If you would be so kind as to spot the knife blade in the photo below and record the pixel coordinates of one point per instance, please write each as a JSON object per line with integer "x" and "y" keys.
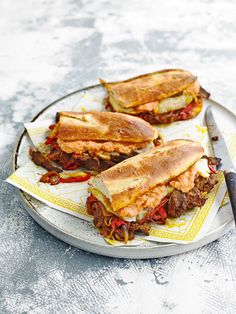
{"x": 220, "y": 150}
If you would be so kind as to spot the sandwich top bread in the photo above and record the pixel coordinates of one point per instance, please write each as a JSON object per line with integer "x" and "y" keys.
{"x": 159, "y": 97}
{"x": 104, "y": 126}
{"x": 95, "y": 140}
{"x": 149, "y": 187}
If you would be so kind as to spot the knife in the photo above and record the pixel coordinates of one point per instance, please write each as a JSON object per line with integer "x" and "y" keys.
{"x": 220, "y": 150}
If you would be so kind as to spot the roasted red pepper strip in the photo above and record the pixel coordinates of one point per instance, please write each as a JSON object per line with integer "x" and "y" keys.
{"x": 212, "y": 168}
{"x": 75, "y": 179}
{"x": 108, "y": 106}
{"x": 157, "y": 210}
{"x": 89, "y": 204}
{"x": 91, "y": 199}
{"x": 117, "y": 222}
{"x": 52, "y": 126}
{"x": 70, "y": 166}
{"x": 51, "y": 177}
{"x": 184, "y": 112}
{"x": 161, "y": 211}
{"x": 50, "y": 140}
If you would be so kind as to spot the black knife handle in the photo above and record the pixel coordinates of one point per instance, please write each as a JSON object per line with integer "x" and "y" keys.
{"x": 230, "y": 179}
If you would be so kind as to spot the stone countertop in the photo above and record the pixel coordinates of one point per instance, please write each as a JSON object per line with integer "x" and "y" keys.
{"x": 50, "y": 48}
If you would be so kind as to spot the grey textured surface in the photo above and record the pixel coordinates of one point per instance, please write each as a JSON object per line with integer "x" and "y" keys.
{"x": 50, "y": 48}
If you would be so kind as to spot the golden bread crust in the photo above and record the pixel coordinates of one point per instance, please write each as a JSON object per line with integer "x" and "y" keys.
{"x": 149, "y": 87}
{"x": 133, "y": 177}
{"x": 104, "y": 126}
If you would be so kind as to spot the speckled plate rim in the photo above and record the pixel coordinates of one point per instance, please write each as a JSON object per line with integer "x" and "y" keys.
{"x": 167, "y": 249}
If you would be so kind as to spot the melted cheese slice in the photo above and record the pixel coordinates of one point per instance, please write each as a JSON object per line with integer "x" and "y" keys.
{"x": 173, "y": 103}
{"x": 149, "y": 200}
{"x": 163, "y": 106}
{"x": 105, "y": 201}
{"x": 202, "y": 168}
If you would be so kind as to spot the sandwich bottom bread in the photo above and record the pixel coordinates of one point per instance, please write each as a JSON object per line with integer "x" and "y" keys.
{"x": 150, "y": 187}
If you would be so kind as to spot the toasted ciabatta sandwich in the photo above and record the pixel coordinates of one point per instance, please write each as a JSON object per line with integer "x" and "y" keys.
{"x": 159, "y": 97}
{"x": 95, "y": 140}
{"x": 148, "y": 188}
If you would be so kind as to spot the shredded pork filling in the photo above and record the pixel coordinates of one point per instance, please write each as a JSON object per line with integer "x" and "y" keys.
{"x": 97, "y": 163}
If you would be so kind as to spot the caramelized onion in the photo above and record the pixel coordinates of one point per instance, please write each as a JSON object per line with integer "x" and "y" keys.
{"x": 125, "y": 233}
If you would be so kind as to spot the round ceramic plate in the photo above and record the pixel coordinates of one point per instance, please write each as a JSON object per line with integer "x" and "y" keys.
{"x": 82, "y": 234}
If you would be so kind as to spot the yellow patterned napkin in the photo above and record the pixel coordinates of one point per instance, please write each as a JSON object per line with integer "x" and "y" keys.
{"x": 67, "y": 197}
{"x": 71, "y": 197}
